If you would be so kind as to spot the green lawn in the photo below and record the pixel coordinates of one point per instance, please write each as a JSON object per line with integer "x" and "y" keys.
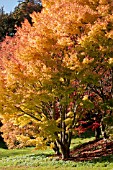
{"x": 31, "y": 159}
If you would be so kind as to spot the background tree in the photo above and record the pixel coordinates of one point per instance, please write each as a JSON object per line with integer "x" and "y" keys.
{"x": 9, "y": 22}
{"x": 24, "y": 9}
{"x": 10, "y": 133}
{"x": 7, "y": 25}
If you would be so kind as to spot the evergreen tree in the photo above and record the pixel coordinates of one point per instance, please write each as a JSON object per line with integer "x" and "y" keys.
{"x": 9, "y": 22}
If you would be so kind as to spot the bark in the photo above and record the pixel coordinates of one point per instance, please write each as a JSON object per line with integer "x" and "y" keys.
{"x": 65, "y": 152}
{"x": 97, "y": 133}
{"x": 65, "y": 146}
{"x": 65, "y": 149}
{"x": 103, "y": 131}
{"x": 56, "y": 148}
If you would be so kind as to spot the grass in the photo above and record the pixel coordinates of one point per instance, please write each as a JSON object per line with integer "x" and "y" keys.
{"x": 31, "y": 159}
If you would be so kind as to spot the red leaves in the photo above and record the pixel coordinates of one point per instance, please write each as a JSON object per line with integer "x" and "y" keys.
{"x": 95, "y": 125}
{"x": 84, "y": 126}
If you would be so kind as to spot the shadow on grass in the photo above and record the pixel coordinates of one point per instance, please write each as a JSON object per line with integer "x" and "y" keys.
{"x": 29, "y": 152}
{"x": 2, "y": 143}
{"x": 103, "y": 159}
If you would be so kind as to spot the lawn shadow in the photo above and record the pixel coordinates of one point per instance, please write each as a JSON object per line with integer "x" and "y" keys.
{"x": 22, "y": 152}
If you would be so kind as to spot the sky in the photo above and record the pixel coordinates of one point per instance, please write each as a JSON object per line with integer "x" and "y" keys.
{"x": 9, "y": 5}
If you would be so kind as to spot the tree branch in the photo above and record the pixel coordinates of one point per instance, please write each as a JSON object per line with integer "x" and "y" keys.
{"x": 27, "y": 113}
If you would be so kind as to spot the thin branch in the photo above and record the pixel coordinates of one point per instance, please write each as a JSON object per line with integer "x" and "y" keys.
{"x": 27, "y": 113}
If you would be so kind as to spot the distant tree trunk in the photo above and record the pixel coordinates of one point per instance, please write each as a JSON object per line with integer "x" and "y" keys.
{"x": 103, "y": 131}
{"x": 97, "y": 133}
{"x": 97, "y": 118}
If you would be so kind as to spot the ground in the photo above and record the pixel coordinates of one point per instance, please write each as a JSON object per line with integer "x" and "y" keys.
{"x": 97, "y": 155}
{"x": 92, "y": 150}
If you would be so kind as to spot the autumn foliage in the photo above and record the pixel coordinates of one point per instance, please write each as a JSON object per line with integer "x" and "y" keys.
{"x": 59, "y": 70}
{"x": 11, "y": 133}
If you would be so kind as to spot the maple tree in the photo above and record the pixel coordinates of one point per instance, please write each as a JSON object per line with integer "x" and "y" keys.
{"x": 10, "y": 133}
{"x": 54, "y": 72}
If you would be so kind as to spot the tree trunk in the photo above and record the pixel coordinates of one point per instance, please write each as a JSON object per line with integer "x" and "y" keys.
{"x": 103, "y": 131}
{"x": 97, "y": 133}
{"x": 65, "y": 149}
{"x": 56, "y": 149}
{"x": 65, "y": 152}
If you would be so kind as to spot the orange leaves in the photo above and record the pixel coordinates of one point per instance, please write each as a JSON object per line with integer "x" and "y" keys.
{"x": 71, "y": 61}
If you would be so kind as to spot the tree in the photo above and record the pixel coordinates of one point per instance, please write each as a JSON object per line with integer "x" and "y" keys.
{"x": 24, "y": 9}
{"x": 97, "y": 48}
{"x": 57, "y": 69}
{"x": 10, "y": 133}
{"x": 9, "y": 22}
{"x": 6, "y": 25}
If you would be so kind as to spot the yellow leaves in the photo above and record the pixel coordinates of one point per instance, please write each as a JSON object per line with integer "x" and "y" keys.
{"x": 86, "y": 60}
{"x": 97, "y": 30}
{"x": 48, "y": 128}
{"x": 73, "y": 28}
{"x": 86, "y": 103}
{"x": 41, "y": 143}
{"x": 110, "y": 34}
{"x": 47, "y": 4}
{"x": 110, "y": 61}
{"x": 6, "y": 116}
{"x": 23, "y": 120}
{"x": 61, "y": 79}
{"x": 22, "y": 138}
{"x": 85, "y": 97}
{"x": 71, "y": 61}
{"x": 44, "y": 118}
{"x": 93, "y": 1}
{"x": 68, "y": 121}
{"x": 52, "y": 145}
{"x": 103, "y": 9}
{"x": 70, "y": 114}
{"x": 63, "y": 41}
{"x": 31, "y": 142}
{"x": 88, "y": 18}
{"x": 58, "y": 120}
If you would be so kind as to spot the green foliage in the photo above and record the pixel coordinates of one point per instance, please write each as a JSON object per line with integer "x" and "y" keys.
{"x": 7, "y": 25}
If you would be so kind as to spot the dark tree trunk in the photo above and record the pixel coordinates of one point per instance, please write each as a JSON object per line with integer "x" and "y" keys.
{"x": 65, "y": 152}
{"x": 103, "y": 131}
{"x": 56, "y": 149}
{"x": 97, "y": 133}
